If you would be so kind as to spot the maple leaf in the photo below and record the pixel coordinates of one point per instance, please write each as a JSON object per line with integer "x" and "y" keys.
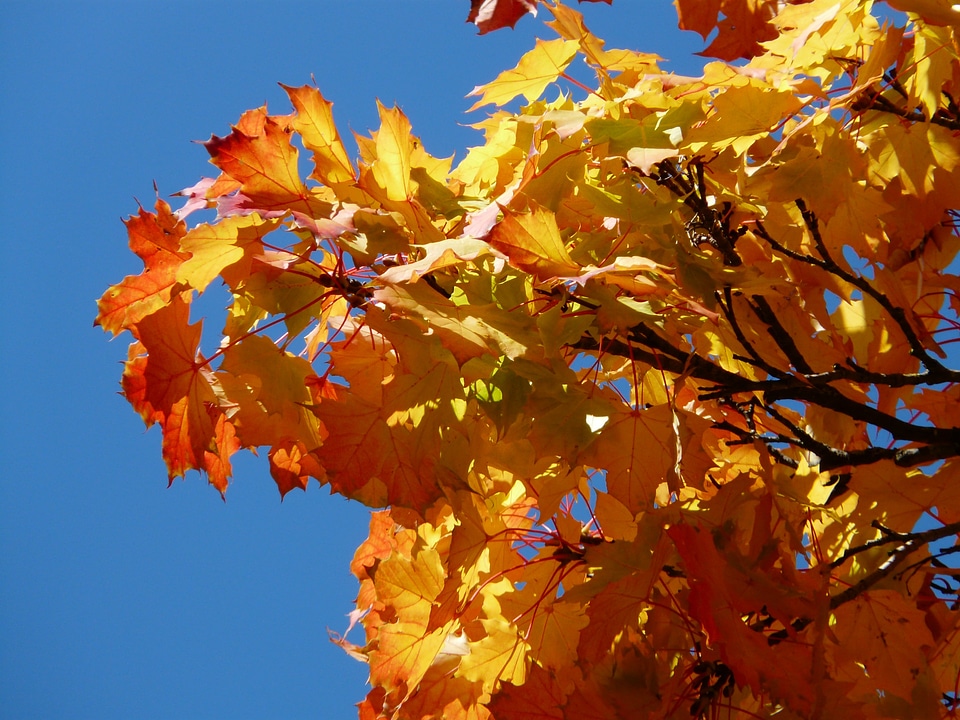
{"x": 743, "y": 114}
{"x": 216, "y": 248}
{"x": 385, "y": 445}
{"x": 554, "y": 634}
{"x": 532, "y": 243}
{"x": 490, "y": 15}
{"x": 700, "y": 17}
{"x": 155, "y": 238}
{"x": 657, "y": 384}
{"x": 718, "y": 602}
{"x": 292, "y": 465}
{"x": 536, "y": 69}
{"x": 314, "y": 122}
{"x": 744, "y": 26}
{"x": 883, "y": 635}
{"x": 394, "y": 150}
{"x": 617, "y": 606}
{"x": 906, "y": 154}
{"x": 939, "y": 12}
{"x": 499, "y": 656}
{"x": 171, "y": 386}
{"x": 540, "y": 697}
{"x": 639, "y": 452}
{"x": 405, "y": 650}
{"x": 258, "y": 156}
{"x": 274, "y": 409}
{"x": 437, "y": 256}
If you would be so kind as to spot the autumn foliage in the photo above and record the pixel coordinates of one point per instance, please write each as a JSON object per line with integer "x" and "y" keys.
{"x": 657, "y": 387}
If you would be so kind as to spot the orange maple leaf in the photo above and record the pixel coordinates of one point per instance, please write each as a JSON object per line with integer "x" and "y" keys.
{"x": 541, "y": 697}
{"x": 369, "y": 461}
{"x": 638, "y": 449}
{"x": 719, "y": 599}
{"x": 258, "y": 154}
{"x": 171, "y": 386}
{"x": 744, "y": 26}
{"x": 292, "y": 466}
{"x": 884, "y": 636}
{"x": 155, "y": 237}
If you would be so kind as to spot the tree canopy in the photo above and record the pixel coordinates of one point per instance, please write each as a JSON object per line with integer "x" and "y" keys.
{"x": 656, "y": 391}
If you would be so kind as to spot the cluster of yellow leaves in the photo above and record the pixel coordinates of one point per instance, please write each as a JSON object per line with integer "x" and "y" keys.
{"x": 617, "y": 374}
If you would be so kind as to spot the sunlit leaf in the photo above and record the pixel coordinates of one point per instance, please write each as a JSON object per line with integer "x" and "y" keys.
{"x": 536, "y": 69}
{"x": 314, "y": 123}
{"x": 655, "y": 391}
{"x": 156, "y": 239}
{"x": 532, "y": 242}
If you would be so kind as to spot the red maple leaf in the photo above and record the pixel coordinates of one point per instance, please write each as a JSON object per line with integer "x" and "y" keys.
{"x": 490, "y": 15}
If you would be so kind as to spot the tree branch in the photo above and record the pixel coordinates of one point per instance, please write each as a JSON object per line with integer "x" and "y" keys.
{"x": 909, "y": 543}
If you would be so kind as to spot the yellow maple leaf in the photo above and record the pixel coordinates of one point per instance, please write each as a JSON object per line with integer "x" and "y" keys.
{"x": 532, "y": 242}
{"x": 938, "y": 12}
{"x": 536, "y": 69}
{"x": 499, "y": 656}
{"x": 742, "y": 114}
{"x": 314, "y": 122}
{"x": 213, "y": 248}
{"x": 394, "y": 146}
{"x": 405, "y": 649}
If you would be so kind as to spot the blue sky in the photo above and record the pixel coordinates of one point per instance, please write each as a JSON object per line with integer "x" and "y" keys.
{"x": 119, "y": 597}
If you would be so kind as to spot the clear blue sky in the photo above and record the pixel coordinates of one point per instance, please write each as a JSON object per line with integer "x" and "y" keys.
{"x": 120, "y": 598}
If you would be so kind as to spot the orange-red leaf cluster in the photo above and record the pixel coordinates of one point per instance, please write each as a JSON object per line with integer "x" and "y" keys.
{"x": 655, "y": 391}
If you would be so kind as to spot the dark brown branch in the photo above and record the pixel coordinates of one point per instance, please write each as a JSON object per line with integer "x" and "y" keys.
{"x": 830, "y": 457}
{"x": 854, "y": 372}
{"x": 650, "y": 348}
{"x": 828, "y": 264}
{"x": 879, "y": 103}
{"x": 643, "y": 343}
{"x": 726, "y": 305}
{"x": 909, "y": 542}
{"x": 779, "y": 334}
{"x": 832, "y": 399}
{"x": 691, "y": 190}
{"x": 745, "y": 437}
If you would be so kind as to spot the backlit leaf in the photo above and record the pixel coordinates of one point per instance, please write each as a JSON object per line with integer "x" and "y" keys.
{"x": 214, "y": 248}
{"x": 172, "y": 388}
{"x": 532, "y": 242}
{"x": 314, "y": 123}
{"x": 883, "y": 636}
{"x": 490, "y": 15}
{"x": 657, "y": 386}
{"x": 639, "y": 452}
{"x": 156, "y": 239}
{"x": 394, "y": 148}
{"x": 536, "y": 69}
{"x": 258, "y": 155}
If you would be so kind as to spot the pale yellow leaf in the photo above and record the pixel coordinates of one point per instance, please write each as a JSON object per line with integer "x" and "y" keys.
{"x": 394, "y": 146}
{"x": 536, "y": 69}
